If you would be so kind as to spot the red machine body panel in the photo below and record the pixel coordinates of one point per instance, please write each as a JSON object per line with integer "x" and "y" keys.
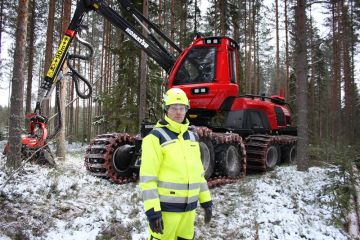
{"x": 265, "y": 105}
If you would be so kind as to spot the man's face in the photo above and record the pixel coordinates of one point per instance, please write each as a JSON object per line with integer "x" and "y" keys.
{"x": 177, "y": 112}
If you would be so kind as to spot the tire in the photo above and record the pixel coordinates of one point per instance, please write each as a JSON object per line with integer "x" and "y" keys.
{"x": 229, "y": 161}
{"x": 122, "y": 159}
{"x": 289, "y": 154}
{"x": 207, "y": 156}
{"x": 272, "y": 156}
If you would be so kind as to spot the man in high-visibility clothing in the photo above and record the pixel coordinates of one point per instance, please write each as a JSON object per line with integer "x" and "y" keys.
{"x": 172, "y": 175}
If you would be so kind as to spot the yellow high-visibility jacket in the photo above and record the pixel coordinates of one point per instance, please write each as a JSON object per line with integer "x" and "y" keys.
{"x": 171, "y": 172}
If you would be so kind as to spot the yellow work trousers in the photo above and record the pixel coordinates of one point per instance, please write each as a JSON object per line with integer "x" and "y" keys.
{"x": 177, "y": 225}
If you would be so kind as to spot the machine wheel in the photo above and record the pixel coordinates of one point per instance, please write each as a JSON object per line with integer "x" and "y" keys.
{"x": 229, "y": 160}
{"x": 207, "y": 156}
{"x": 272, "y": 156}
{"x": 109, "y": 155}
{"x": 289, "y": 154}
{"x": 121, "y": 160}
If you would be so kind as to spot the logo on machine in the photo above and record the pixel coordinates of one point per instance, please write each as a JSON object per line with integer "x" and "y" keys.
{"x": 58, "y": 56}
{"x": 137, "y": 38}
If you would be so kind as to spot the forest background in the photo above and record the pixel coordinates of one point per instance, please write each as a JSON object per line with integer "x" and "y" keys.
{"x": 267, "y": 63}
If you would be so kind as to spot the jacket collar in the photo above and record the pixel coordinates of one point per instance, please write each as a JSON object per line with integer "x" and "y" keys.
{"x": 173, "y": 126}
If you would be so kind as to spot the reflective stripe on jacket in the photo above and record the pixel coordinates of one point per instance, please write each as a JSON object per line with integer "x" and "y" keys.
{"x": 171, "y": 172}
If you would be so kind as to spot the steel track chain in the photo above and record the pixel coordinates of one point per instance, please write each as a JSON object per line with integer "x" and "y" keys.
{"x": 98, "y": 157}
{"x": 257, "y": 145}
{"x": 224, "y": 138}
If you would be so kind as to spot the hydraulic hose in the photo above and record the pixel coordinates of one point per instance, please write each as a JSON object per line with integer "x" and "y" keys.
{"x": 76, "y": 76}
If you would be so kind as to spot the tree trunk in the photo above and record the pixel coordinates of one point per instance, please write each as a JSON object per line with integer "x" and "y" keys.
{"x": 222, "y": 6}
{"x": 277, "y": 57}
{"x": 172, "y": 22}
{"x": 17, "y": 93}
{"x": 160, "y": 12}
{"x": 235, "y": 23}
{"x": 70, "y": 107}
{"x": 60, "y": 146}
{"x": 90, "y": 109}
{"x": 49, "y": 49}
{"x": 286, "y": 81}
{"x": 254, "y": 77}
{"x": 248, "y": 77}
{"x": 348, "y": 83}
{"x": 1, "y": 30}
{"x": 302, "y": 86}
{"x": 100, "y": 89}
{"x": 311, "y": 95}
{"x": 31, "y": 57}
{"x": 71, "y": 113}
{"x": 183, "y": 23}
{"x": 77, "y": 105}
{"x": 336, "y": 75}
{"x": 143, "y": 72}
{"x": 245, "y": 47}
{"x": 257, "y": 63}
{"x": 352, "y": 62}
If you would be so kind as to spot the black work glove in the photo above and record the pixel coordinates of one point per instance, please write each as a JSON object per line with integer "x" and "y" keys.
{"x": 208, "y": 214}
{"x": 157, "y": 225}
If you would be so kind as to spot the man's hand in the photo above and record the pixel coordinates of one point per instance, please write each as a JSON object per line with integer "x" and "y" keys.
{"x": 157, "y": 225}
{"x": 208, "y": 214}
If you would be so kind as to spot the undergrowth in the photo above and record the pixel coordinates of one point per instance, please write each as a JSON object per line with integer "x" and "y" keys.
{"x": 344, "y": 157}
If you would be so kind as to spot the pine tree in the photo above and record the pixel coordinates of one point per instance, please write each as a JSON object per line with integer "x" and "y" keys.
{"x": 31, "y": 50}
{"x": 301, "y": 77}
{"x": 143, "y": 72}
{"x": 17, "y": 93}
{"x": 60, "y": 146}
{"x": 49, "y": 49}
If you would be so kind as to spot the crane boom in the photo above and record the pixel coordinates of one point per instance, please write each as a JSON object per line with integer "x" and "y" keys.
{"x": 151, "y": 45}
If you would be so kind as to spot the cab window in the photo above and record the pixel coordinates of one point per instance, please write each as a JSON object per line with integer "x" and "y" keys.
{"x": 197, "y": 67}
{"x": 232, "y": 65}
{"x": 253, "y": 120}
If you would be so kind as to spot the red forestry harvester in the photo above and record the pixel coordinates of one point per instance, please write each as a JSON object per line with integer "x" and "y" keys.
{"x": 236, "y": 133}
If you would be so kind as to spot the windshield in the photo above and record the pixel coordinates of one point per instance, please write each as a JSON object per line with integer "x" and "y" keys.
{"x": 198, "y": 67}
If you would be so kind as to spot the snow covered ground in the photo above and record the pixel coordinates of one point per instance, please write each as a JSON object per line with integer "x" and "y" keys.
{"x": 67, "y": 203}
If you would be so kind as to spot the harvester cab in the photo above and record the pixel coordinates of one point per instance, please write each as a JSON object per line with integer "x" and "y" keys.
{"x": 208, "y": 73}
